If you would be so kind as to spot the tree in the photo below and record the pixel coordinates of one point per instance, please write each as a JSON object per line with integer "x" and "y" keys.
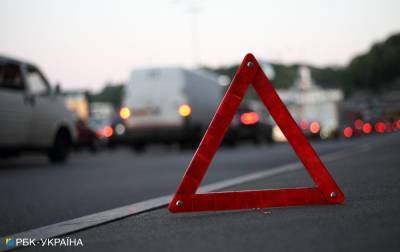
{"x": 111, "y": 93}
{"x": 376, "y": 70}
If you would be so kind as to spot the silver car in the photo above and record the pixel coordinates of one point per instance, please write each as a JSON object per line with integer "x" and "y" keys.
{"x": 33, "y": 117}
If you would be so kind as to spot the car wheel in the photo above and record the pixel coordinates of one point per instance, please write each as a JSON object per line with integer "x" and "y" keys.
{"x": 60, "y": 150}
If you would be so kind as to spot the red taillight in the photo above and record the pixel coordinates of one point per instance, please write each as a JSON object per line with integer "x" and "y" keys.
{"x": 249, "y": 118}
{"x": 380, "y": 127}
{"x": 303, "y": 124}
{"x": 106, "y": 132}
{"x": 397, "y": 124}
{"x": 367, "y": 128}
{"x": 358, "y": 124}
{"x": 348, "y": 132}
{"x": 315, "y": 127}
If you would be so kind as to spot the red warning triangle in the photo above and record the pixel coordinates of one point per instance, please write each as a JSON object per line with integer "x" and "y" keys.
{"x": 186, "y": 199}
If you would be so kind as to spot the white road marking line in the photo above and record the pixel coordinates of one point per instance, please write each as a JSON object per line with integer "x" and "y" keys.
{"x": 88, "y": 221}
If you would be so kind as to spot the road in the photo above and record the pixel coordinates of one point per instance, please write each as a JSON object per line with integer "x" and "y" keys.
{"x": 369, "y": 220}
{"x": 39, "y": 193}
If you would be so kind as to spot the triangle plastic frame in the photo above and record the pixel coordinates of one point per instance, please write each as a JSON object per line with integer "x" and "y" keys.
{"x": 186, "y": 199}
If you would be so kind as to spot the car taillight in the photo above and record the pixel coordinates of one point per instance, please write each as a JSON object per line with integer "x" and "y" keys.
{"x": 106, "y": 132}
{"x": 348, "y": 132}
{"x": 380, "y": 127}
{"x": 249, "y": 118}
{"x": 185, "y": 110}
{"x": 367, "y": 128}
{"x": 315, "y": 127}
{"x": 124, "y": 113}
{"x": 358, "y": 124}
{"x": 303, "y": 124}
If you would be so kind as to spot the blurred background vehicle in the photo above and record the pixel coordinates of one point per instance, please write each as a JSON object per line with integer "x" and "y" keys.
{"x": 78, "y": 103}
{"x": 101, "y": 116}
{"x": 100, "y": 121}
{"x": 87, "y": 137}
{"x": 94, "y": 123}
{"x": 364, "y": 114}
{"x": 166, "y": 105}
{"x": 33, "y": 115}
{"x": 251, "y": 123}
{"x": 316, "y": 110}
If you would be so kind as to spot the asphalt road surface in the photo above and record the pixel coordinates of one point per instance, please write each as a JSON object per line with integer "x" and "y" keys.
{"x": 37, "y": 193}
{"x": 369, "y": 220}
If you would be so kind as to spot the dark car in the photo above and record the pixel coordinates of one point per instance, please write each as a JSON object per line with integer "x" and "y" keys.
{"x": 86, "y": 137}
{"x": 250, "y": 123}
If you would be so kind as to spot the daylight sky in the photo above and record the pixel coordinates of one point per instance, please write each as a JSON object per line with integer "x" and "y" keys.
{"x": 84, "y": 43}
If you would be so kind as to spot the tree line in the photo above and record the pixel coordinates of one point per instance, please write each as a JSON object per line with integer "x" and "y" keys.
{"x": 374, "y": 71}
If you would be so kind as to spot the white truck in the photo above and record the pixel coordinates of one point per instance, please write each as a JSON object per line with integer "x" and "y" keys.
{"x": 167, "y": 105}
{"x": 33, "y": 116}
{"x": 316, "y": 110}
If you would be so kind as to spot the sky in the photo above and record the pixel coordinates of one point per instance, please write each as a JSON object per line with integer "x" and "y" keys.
{"x": 84, "y": 43}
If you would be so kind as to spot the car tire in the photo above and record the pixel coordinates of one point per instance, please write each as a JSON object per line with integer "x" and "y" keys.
{"x": 61, "y": 148}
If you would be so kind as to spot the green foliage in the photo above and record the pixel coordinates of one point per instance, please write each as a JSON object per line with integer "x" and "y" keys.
{"x": 111, "y": 93}
{"x": 284, "y": 75}
{"x": 376, "y": 70}
{"x": 329, "y": 77}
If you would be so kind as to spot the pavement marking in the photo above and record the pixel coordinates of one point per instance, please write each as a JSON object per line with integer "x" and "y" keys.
{"x": 96, "y": 219}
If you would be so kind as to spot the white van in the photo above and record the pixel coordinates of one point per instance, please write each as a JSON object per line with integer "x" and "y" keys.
{"x": 32, "y": 116}
{"x": 167, "y": 105}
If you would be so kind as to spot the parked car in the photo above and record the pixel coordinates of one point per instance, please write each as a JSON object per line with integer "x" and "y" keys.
{"x": 166, "y": 105}
{"x": 33, "y": 116}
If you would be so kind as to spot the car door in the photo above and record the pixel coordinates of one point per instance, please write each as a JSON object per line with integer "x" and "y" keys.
{"x": 15, "y": 106}
{"x": 44, "y": 109}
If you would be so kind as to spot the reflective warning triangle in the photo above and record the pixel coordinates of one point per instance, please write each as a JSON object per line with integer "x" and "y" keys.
{"x": 186, "y": 199}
